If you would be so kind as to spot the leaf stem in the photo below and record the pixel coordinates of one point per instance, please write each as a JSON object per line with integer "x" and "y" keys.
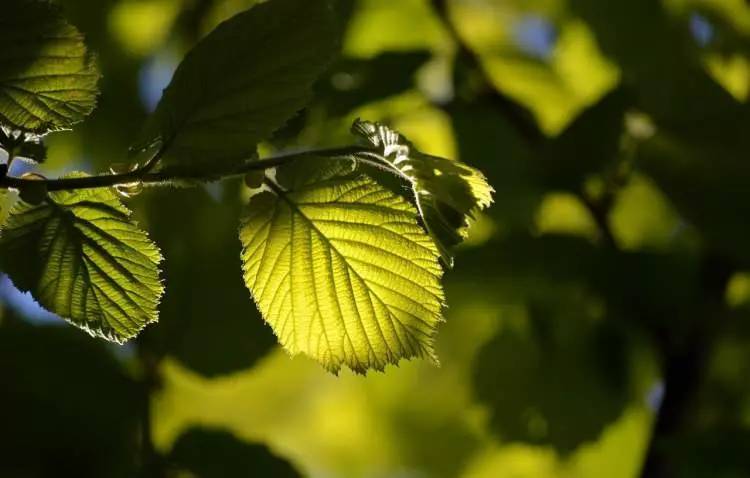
{"x": 145, "y": 176}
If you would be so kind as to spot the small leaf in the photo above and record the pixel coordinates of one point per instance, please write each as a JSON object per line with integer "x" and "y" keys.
{"x": 28, "y": 146}
{"x": 240, "y": 84}
{"x": 340, "y": 268}
{"x": 448, "y": 193}
{"x": 47, "y": 78}
{"x": 83, "y": 258}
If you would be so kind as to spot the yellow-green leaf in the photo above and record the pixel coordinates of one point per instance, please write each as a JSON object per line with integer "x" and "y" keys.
{"x": 340, "y": 268}
{"x": 447, "y": 193}
{"x": 82, "y": 257}
{"x": 7, "y": 199}
{"x": 47, "y": 78}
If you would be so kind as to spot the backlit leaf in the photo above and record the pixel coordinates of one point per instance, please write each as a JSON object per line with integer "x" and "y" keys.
{"x": 7, "y": 199}
{"x": 448, "y": 193}
{"x": 341, "y": 269}
{"x": 47, "y": 78}
{"x": 83, "y": 258}
{"x": 240, "y": 84}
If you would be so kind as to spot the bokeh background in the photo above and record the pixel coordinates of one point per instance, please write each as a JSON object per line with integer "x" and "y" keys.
{"x": 599, "y": 313}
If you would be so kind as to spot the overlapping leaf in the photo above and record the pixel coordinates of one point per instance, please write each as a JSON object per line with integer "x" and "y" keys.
{"x": 83, "y": 258}
{"x": 447, "y": 193}
{"x": 240, "y": 84}
{"x": 340, "y": 268}
{"x": 47, "y": 78}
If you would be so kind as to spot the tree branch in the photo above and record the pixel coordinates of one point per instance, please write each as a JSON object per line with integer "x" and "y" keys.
{"x": 143, "y": 176}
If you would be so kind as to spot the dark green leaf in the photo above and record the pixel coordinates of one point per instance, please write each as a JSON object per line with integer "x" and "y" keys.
{"x": 708, "y": 184}
{"x": 352, "y": 82}
{"x": 558, "y": 380}
{"x": 210, "y": 453}
{"x": 240, "y": 84}
{"x": 68, "y": 408}
{"x": 590, "y": 144}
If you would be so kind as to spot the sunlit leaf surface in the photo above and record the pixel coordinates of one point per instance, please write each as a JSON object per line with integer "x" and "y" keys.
{"x": 340, "y": 268}
{"x": 82, "y": 257}
{"x": 448, "y": 193}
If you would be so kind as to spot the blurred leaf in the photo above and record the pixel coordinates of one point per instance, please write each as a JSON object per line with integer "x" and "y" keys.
{"x": 548, "y": 62}
{"x": 207, "y": 453}
{"x": 239, "y": 84}
{"x": 83, "y": 258}
{"x": 377, "y": 27}
{"x": 588, "y": 145}
{"x": 565, "y": 214}
{"x": 47, "y": 78}
{"x": 712, "y": 453}
{"x": 487, "y": 139}
{"x": 206, "y": 319}
{"x": 448, "y": 193}
{"x": 559, "y": 382}
{"x": 67, "y": 407}
{"x": 652, "y": 56}
{"x": 355, "y": 82}
{"x": 642, "y": 217}
{"x": 142, "y": 26}
{"x": 375, "y": 295}
{"x": 707, "y": 184}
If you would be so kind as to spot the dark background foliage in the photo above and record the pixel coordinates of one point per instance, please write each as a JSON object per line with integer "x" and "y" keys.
{"x": 598, "y": 320}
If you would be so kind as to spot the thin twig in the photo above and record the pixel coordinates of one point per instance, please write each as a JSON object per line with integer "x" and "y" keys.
{"x": 141, "y": 175}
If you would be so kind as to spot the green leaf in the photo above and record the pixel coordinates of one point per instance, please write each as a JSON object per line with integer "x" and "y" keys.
{"x": 214, "y": 453}
{"x": 7, "y": 200}
{"x": 340, "y": 268}
{"x": 47, "y": 78}
{"x": 240, "y": 84}
{"x": 448, "y": 193}
{"x": 355, "y": 82}
{"x": 65, "y": 392}
{"x": 83, "y": 258}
